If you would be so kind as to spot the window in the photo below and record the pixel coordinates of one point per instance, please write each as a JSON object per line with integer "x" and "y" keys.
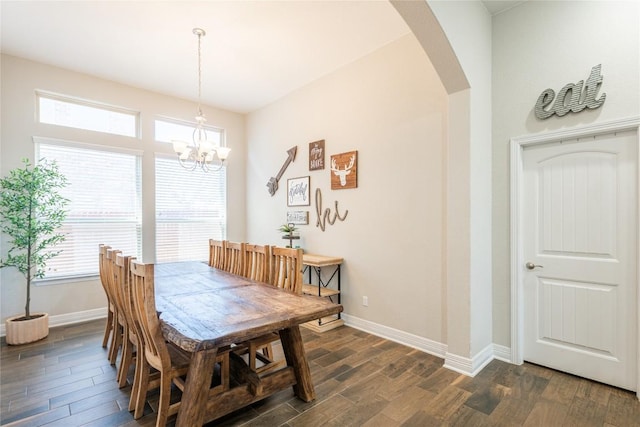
{"x": 166, "y": 131}
{"x": 105, "y": 205}
{"x": 190, "y": 209}
{"x": 69, "y": 112}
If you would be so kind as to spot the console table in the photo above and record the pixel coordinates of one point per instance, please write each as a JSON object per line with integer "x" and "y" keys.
{"x": 321, "y": 288}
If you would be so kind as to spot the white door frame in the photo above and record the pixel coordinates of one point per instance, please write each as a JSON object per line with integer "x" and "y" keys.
{"x": 517, "y": 146}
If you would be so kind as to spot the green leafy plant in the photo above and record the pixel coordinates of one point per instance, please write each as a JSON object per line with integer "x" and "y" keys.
{"x": 287, "y": 228}
{"x": 31, "y": 211}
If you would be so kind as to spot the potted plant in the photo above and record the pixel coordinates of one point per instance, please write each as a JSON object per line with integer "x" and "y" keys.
{"x": 290, "y": 233}
{"x": 288, "y": 229}
{"x": 31, "y": 211}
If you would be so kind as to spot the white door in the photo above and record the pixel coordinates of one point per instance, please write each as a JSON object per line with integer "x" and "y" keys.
{"x": 579, "y": 228}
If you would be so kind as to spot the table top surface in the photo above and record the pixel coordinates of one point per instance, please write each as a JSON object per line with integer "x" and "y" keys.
{"x": 320, "y": 260}
{"x": 203, "y": 308}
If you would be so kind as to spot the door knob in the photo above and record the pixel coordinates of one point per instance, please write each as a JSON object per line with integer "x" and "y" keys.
{"x": 531, "y": 266}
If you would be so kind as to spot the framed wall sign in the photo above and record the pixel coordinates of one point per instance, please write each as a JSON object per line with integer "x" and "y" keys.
{"x": 298, "y": 217}
{"x": 344, "y": 170}
{"x": 316, "y": 155}
{"x": 298, "y": 191}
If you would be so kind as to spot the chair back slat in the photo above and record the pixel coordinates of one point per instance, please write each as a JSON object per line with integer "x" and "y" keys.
{"x": 102, "y": 266}
{"x": 109, "y": 269}
{"x": 286, "y": 269}
{"x": 142, "y": 287}
{"x": 216, "y": 253}
{"x": 234, "y": 258}
{"x": 256, "y": 262}
{"x": 121, "y": 273}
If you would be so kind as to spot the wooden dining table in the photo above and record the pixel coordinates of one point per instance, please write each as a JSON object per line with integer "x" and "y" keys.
{"x": 203, "y": 309}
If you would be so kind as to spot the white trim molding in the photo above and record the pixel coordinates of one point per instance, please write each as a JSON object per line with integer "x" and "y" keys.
{"x": 69, "y": 318}
{"x": 516, "y": 171}
{"x": 463, "y": 365}
{"x": 502, "y": 352}
{"x": 85, "y": 145}
{"x": 410, "y": 340}
{"x": 469, "y": 366}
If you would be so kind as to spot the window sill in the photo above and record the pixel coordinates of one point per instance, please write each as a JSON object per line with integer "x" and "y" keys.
{"x": 65, "y": 280}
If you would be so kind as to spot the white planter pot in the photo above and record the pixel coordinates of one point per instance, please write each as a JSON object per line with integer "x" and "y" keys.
{"x": 26, "y": 331}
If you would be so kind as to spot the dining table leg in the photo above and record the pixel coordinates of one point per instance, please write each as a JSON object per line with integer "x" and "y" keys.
{"x": 294, "y": 353}
{"x": 196, "y": 389}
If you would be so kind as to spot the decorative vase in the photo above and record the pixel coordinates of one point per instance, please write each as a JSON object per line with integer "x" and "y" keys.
{"x": 26, "y": 331}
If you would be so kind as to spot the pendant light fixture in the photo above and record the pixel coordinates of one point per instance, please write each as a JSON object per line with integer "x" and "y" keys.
{"x": 200, "y": 153}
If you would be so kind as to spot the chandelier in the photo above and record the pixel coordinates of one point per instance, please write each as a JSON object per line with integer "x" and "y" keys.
{"x": 200, "y": 152}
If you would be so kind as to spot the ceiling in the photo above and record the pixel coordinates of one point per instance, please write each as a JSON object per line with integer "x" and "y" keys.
{"x": 254, "y": 52}
{"x": 498, "y": 6}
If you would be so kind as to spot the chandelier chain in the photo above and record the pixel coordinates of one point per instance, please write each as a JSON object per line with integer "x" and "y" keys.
{"x": 199, "y": 76}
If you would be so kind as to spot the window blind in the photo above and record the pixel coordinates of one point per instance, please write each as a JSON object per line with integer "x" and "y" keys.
{"x": 191, "y": 208}
{"x": 104, "y": 190}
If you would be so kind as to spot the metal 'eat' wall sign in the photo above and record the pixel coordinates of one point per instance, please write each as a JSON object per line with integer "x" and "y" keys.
{"x": 572, "y": 97}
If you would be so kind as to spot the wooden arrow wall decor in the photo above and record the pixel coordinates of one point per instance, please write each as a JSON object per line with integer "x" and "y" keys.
{"x": 272, "y": 185}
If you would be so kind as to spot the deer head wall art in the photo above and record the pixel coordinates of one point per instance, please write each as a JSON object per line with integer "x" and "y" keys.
{"x": 344, "y": 170}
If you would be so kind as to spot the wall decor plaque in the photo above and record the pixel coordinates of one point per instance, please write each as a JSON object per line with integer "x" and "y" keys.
{"x": 272, "y": 185}
{"x": 571, "y": 97}
{"x": 298, "y": 217}
{"x": 344, "y": 170}
{"x": 316, "y": 155}
{"x": 298, "y": 191}
{"x": 324, "y": 216}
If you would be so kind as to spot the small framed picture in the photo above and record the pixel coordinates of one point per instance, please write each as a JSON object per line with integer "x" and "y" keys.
{"x": 316, "y": 155}
{"x": 298, "y": 217}
{"x": 298, "y": 191}
{"x": 344, "y": 170}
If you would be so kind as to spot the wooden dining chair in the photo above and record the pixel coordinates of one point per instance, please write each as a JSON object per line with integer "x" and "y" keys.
{"x": 286, "y": 273}
{"x": 286, "y": 269}
{"x": 167, "y": 360}
{"x": 234, "y": 258}
{"x": 216, "y": 253}
{"x": 108, "y": 327}
{"x": 171, "y": 362}
{"x": 256, "y": 262}
{"x": 118, "y": 317}
{"x": 135, "y": 336}
{"x": 130, "y": 342}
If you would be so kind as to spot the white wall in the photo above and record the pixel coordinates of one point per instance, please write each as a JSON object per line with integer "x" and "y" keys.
{"x": 467, "y": 25}
{"x": 540, "y": 45}
{"x": 20, "y": 79}
{"x": 389, "y": 106}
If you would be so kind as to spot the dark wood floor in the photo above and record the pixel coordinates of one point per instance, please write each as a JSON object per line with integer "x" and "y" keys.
{"x": 360, "y": 380}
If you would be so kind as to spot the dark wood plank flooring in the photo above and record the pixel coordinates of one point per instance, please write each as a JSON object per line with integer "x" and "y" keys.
{"x": 360, "y": 380}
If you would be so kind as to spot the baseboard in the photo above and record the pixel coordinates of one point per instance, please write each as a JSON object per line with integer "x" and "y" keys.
{"x": 423, "y": 344}
{"x": 454, "y": 362}
{"x": 502, "y": 352}
{"x": 464, "y": 365}
{"x": 69, "y": 318}
{"x": 469, "y": 366}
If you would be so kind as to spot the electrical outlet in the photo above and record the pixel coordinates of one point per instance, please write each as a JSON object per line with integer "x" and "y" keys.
{"x": 365, "y": 301}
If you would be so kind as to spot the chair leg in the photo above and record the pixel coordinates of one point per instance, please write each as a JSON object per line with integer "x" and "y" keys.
{"x": 165, "y": 397}
{"x": 137, "y": 377}
{"x": 116, "y": 342}
{"x": 125, "y": 361}
{"x": 224, "y": 372}
{"x": 267, "y": 350}
{"x": 108, "y": 327}
{"x": 141, "y": 395}
{"x": 252, "y": 357}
